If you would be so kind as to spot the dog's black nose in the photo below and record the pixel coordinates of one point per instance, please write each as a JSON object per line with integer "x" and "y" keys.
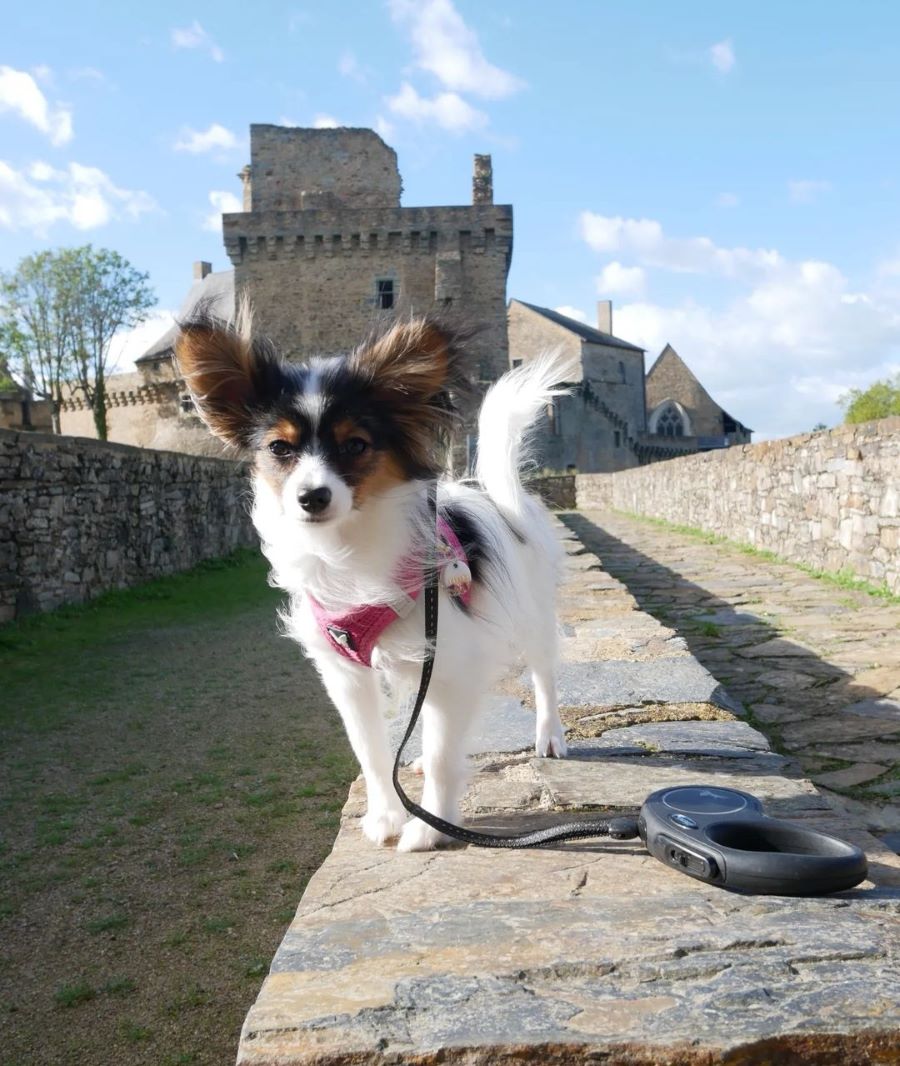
{"x": 313, "y": 501}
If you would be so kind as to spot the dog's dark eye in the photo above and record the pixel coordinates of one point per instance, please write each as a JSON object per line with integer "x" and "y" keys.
{"x": 280, "y": 448}
{"x": 354, "y": 446}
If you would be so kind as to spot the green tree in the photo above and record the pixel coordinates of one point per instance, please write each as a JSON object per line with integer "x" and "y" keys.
{"x": 60, "y": 312}
{"x": 36, "y": 332}
{"x": 879, "y": 400}
{"x": 109, "y": 295}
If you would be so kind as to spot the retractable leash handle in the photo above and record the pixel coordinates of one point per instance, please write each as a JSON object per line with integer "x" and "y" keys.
{"x": 623, "y": 828}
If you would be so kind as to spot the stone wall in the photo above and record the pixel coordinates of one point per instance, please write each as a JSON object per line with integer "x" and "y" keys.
{"x": 830, "y": 500}
{"x": 79, "y": 517}
{"x": 294, "y": 169}
{"x": 558, "y": 493}
{"x": 312, "y": 276}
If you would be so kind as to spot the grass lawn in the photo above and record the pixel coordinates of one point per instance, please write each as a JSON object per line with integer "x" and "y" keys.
{"x": 171, "y": 774}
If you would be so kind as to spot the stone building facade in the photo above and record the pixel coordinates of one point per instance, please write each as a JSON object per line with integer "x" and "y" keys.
{"x": 590, "y": 428}
{"x": 678, "y": 405}
{"x": 325, "y": 251}
{"x": 602, "y": 424}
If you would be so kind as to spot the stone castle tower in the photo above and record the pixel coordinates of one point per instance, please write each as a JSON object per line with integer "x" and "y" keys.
{"x": 324, "y": 250}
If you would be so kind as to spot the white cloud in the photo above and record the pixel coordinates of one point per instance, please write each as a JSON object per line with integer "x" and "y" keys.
{"x": 217, "y": 137}
{"x": 572, "y": 312}
{"x": 807, "y": 192}
{"x": 791, "y": 336}
{"x": 130, "y": 344}
{"x": 20, "y": 94}
{"x": 448, "y": 110}
{"x": 84, "y": 197}
{"x": 727, "y": 199}
{"x": 446, "y": 47}
{"x": 326, "y": 122}
{"x": 645, "y": 240}
{"x": 618, "y": 280}
{"x": 721, "y": 55}
{"x": 195, "y": 36}
{"x": 224, "y": 203}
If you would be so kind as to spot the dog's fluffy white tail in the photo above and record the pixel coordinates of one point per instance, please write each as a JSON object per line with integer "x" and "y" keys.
{"x": 510, "y": 409}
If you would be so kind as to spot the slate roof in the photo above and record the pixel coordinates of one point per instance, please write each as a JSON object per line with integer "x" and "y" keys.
{"x": 216, "y": 291}
{"x": 587, "y": 333}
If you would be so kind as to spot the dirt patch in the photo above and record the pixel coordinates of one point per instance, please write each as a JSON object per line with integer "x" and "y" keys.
{"x": 593, "y": 724}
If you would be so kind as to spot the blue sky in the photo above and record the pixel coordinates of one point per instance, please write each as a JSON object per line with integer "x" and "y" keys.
{"x": 726, "y": 174}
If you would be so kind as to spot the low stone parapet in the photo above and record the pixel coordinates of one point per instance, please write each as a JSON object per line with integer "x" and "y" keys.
{"x": 79, "y": 517}
{"x": 828, "y": 500}
{"x": 591, "y": 951}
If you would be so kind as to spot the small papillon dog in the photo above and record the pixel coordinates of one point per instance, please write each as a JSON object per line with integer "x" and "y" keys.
{"x": 345, "y": 449}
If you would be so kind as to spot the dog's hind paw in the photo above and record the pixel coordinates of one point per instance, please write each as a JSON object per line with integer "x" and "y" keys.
{"x": 551, "y": 744}
{"x": 417, "y": 836}
{"x": 380, "y": 826}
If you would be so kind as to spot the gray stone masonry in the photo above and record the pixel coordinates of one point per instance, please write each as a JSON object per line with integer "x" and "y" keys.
{"x": 79, "y": 517}
{"x": 588, "y": 952}
{"x": 324, "y": 230}
{"x": 830, "y": 500}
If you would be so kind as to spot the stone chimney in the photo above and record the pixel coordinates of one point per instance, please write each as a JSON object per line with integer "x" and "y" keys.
{"x": 247, "y": 185}
{"x": 201, "y": 269}
{"x": 483, "y": 180}
{"x": 604, "y": 316}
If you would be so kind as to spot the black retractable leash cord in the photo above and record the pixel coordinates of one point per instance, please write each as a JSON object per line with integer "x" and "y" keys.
{"x": 716, "y": 835}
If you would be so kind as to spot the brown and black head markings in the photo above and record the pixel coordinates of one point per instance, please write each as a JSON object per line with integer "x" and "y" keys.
{"x": 377, "y": 417}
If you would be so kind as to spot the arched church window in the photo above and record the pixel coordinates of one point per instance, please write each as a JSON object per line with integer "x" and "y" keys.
{"x": 670, "y": 423}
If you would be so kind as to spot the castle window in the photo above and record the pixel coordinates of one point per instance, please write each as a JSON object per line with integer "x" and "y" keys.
{"x": 384, "y": 293}
{"x": 621, "y": 371}
{"x": 618, "y": 437}
{"x": 670, "y": 423}
{"x": 553, "y": 422}
{"x": 516, "y": 362}
{"x": 187, "y": 404}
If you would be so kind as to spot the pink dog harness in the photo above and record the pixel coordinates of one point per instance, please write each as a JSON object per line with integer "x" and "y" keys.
{"x": 355, "y": 632}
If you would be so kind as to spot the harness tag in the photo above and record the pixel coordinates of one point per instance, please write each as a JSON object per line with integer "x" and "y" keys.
{"x": 340, "y": 636}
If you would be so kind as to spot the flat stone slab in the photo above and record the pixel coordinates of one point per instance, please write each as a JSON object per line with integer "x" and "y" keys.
{"x": 483, "y": 956}
{"x": 858, "y": 774}
{"x": 728, "y": 617}
{"x": 611, "y": 684}
{"x": 505, "y": 726}
{"x": 735, "y": 739}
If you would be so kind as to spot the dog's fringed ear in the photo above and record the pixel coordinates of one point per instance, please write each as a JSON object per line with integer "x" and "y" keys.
{"x": 225, "y": 373}
{"x": 419, "y": 369}
{"x": 419, "y": 361}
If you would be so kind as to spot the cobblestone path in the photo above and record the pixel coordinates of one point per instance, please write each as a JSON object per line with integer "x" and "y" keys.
{"x": 816, "y": 665}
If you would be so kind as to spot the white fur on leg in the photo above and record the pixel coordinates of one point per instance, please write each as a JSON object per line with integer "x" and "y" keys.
{"x": 382, "y": 826}
{"x": 446, "y": 717}
{"x": 550, "y": 737}
{"x": 417, "y": 836}
{"x": 357, "y": 695}
{"x": 550, "y": 741}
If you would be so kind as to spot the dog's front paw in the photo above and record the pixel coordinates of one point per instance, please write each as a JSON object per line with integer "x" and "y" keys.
{"x": 551, "y": 743}
{"x": 381, "y": 825}
{"x": 417, "y": 836}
